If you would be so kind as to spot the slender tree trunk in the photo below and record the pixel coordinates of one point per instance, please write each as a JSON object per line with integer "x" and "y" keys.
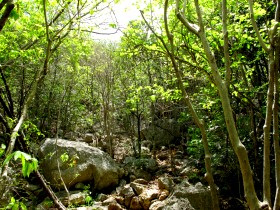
{"x": 266, "y": 141}
{"x": 238, "y": 147}
{"x": 276, "y": 125}
{"x": 271, "y": 105}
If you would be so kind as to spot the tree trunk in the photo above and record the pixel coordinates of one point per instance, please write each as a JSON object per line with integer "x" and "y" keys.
{"x": 276, "y": 124}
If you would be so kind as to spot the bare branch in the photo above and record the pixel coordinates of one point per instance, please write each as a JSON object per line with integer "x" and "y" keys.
{"x": 191, "y": 27}
{"x": 226, "y": 47}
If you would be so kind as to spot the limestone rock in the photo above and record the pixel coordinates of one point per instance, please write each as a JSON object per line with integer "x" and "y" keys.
{"x": 108, "y": 201}
{"x": 186, "y": 196}
{"x": 75, "y": 197}
{"x": 163, "y": 195}
{"x": 102, "y": 197}
{"x": 157, "y": 205}
{"x": 178, "y": 203}
{"x": 138, "y": 188}
{"x": 127, "y": 192}
{"x": 88, "y": 138}
{"x": 115, "y": 206}
{"x": 141, "y": 181}
{"x": 198, "y": 195}
{"x": 147, "y": 196}
{"x": 165, "y": 183}
{"x": 84, "y": 164}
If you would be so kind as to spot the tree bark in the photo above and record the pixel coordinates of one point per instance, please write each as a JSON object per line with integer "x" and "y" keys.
{"x": 275, "y": 110}
{"x": 50, "y": 191}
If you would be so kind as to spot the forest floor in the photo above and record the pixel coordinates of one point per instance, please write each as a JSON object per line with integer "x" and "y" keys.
{"x": 173, "y": 162}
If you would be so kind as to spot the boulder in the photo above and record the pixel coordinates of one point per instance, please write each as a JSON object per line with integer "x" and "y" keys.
{"x": 172, "y": 204}
{"x": 80, "y": 163}
{"x": 157, "y": 205}
{"x": 186, "y": 196}
{"x": 108, "y": 201}
{"x": 178, "y": 203}
{"x": 197, "y": 195}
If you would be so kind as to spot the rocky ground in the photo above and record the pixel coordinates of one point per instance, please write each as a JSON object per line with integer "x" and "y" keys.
{"x": 165, "y": 179}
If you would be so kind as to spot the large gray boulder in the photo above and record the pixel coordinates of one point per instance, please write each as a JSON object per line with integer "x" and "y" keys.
{"x": 78, "y": 162}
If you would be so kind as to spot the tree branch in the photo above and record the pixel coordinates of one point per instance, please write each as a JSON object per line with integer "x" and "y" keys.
{"x": 2, "y": 4}
{"x": 226, "y": 47}
{"x": 8, "y": 92}
{"x": 191, "y": 27}
{"x": 9, "y": 7}
{"x": 254, "y": 24}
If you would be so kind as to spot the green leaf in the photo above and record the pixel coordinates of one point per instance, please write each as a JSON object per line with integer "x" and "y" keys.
{"x": 64, "y": 157}
{"x": 22, "y": 206}
{"x": 113, "y": 25}
{"x": 153, "y": 98}
{"x": 14, "y": 14}
{"x": 15, "y": 206}
{"x": 8, "y": 158}
{"x": 28, "y": 163}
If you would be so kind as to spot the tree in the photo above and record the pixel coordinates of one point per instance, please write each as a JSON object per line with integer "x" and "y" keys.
{"x": 222, "y": 86}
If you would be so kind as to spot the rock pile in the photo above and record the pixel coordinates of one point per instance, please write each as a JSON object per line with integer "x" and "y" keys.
{"x": 160, "y": 195}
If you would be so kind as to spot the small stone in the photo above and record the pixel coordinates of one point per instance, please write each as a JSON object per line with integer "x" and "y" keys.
{"x": 115, "y": 206}
{"x": 88, "y": 137}
{"x": 138, "y": 188}
{"x": 102, "y": 197}
{"x": 127, "y": 192}
{"x": 163, "y": 195}
{"x": 141, "y": 181}
{"x": 108, "y": 201}
{"x": 157, "y": 205}
{"x": 120, "y": 199}
{"x": 165, "y": 183}
{"x": 147, "y": 196}
{"x": 135, "y": 204}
